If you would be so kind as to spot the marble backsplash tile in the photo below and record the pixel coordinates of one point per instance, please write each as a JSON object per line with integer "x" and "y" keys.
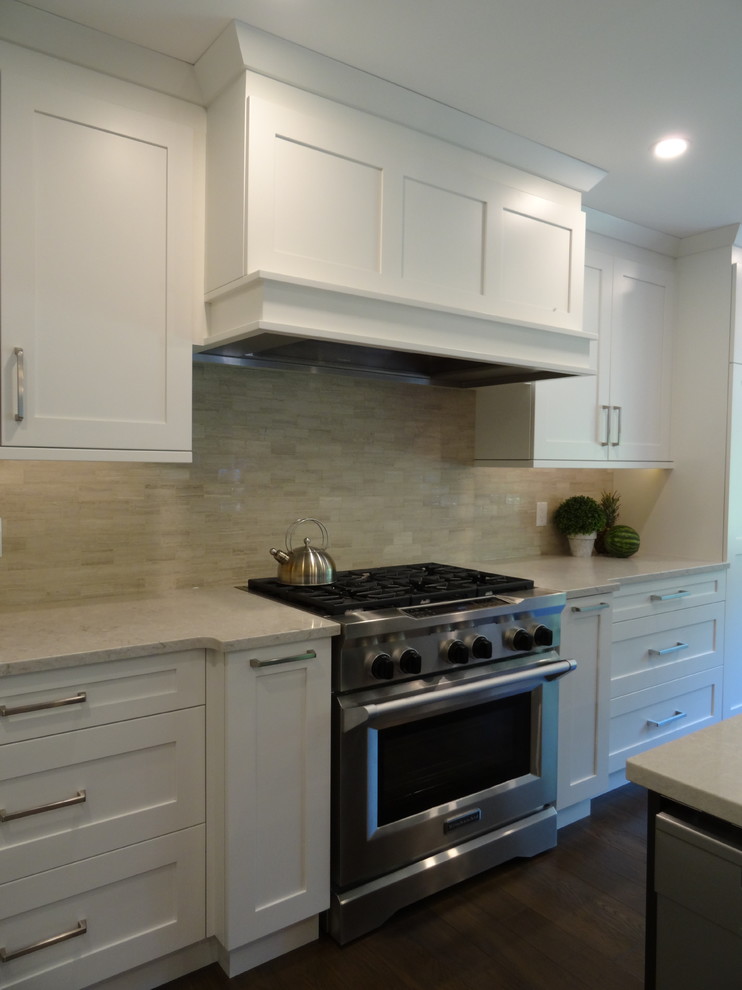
{"x": 387, "y": 467}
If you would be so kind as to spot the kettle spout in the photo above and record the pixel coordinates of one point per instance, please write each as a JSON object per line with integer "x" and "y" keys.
{"x": 281, "y": 556}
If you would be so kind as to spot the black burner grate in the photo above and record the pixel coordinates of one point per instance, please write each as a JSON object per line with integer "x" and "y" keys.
{"x": 396, "y": 586}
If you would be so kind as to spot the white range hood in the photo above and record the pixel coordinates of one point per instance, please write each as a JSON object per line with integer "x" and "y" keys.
{"x": 357, "y": 228}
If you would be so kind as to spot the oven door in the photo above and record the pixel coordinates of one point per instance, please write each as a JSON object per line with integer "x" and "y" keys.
{"x": 421, "y": 766}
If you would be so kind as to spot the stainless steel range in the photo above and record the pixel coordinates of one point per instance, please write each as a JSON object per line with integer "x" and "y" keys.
{"x": 445, "y": 699}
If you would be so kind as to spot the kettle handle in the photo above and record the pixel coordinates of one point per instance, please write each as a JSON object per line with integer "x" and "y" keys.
{"x": 293, "y": 526}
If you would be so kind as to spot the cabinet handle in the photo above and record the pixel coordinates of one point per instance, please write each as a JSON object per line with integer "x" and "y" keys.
{"x": 668, "y": 649}
{"x": 590, "y": 608}
{"x": 617, "y": 441}
{"x": 666, "y": 721}
{"x": 9, "y": 816}
{"x": 607, "y": 411}
{"x": 76, "y": 699}
{"x": 20, "y": 376}
{"x": 309, "y": 655}
{"x": 668, "y": 598}
{"x": 82, "y": 927}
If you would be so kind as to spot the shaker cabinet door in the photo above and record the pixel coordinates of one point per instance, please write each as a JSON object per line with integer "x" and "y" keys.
{"x": 277, "y": 827}
{"x": 584, "y": 701}
{"x": 640, "y": 363}
{"x": 96, "y": 240}
{"x": 572, "y": 412}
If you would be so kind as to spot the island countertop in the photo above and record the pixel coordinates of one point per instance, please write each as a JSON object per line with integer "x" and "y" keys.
{"x": 702, "y": 770}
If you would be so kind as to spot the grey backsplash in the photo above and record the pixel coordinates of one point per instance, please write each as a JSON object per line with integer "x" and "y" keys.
{"x": 387, "y": 467}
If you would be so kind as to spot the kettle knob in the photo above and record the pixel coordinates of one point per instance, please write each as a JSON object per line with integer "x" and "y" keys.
{"x": 281, "y": 556}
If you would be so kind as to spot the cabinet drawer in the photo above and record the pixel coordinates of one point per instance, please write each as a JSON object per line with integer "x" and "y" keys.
{"x": 137, "y": 904}
{"x": 125, "y": 782}
{"x": 84, "y": 696}
{"x": 650, "y": 651}
{"x": 646, "y": 718}
{"x": 634, "y": 601}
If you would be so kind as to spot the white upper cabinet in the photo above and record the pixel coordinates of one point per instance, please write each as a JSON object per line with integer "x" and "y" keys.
{"x": 620, "y": 415}
{"x": 640, "y": 364}
{"x": 97, "y": 267}
{"x": 307, "y": 190}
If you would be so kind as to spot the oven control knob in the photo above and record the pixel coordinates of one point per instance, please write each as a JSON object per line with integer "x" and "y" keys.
{"x": 457, "y": 652}
{"x": 481, "y": 648}
{"x": 542, "y": 635}
{"x": 382, "y": 667}
{"x": 411, "y": 662}
{"x": 518, "y": 639}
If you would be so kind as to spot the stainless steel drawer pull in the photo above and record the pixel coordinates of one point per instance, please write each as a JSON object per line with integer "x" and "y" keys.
{"x": 617, "y": 441}
{"x": 82, "y": 927}
{"x": 76, "y": 699}
{"x": 9, "y": 816}
{"x": 20, "y": 377}
{"x": 607, "y": 411}
{"x": 669, "y": 598}
{"x": 590, "y": 608}
{"x": 309, "y": 655}
{"x": 668, "y": 649}
{"x": 666, "y": 721}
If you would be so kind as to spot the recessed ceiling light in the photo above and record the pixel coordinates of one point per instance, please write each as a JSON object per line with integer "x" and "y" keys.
{"x": 671, "y": 147}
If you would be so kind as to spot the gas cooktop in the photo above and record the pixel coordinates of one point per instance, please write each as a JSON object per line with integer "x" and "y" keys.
{"x": 396, "y": 586}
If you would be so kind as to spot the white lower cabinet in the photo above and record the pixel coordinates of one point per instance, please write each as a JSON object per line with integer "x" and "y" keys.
{"x": 273, "y": 856}
{"x": 667, "y": 661}
{"x": 650, "y": 665}
{"x": 108, "y": 914}
{"x": 104, "y": 788}
{"x": 584, "y": 697}
{"x": 648, "y": 718}
{"x": 102, "y": 844}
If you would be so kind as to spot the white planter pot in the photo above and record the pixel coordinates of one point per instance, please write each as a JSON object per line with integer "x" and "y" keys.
{"x": 582, "y": 544}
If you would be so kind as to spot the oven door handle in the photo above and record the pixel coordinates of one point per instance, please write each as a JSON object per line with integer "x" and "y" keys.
{"x": 354, "y": 717}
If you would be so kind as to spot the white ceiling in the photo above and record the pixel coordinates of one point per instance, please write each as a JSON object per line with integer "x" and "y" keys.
{"x": 599, "y": 80}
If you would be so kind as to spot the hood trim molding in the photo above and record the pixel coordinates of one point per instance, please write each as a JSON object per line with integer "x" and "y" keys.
{"x": 266, "y": 320}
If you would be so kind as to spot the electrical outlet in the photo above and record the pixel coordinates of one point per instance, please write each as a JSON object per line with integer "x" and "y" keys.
{"x": 541, "y": 508}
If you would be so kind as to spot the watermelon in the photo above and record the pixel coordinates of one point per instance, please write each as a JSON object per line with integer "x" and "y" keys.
{"x": 620, "y": 541}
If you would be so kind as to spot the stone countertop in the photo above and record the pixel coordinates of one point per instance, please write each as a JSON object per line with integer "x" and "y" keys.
{"x": 223, "y": 619}
{"x": 702, "y": 770}
{"x": 580, "y": 576}
{"x": 226, "y": 619}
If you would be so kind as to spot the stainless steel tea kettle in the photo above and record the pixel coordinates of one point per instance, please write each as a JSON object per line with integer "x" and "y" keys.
{"x": 307, "y": 564}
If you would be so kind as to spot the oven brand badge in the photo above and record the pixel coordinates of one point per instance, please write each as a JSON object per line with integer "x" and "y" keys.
{"x": 461, "y": 820}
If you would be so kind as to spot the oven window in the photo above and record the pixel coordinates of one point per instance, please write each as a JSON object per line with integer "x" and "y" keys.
{"x": 434, "y": 760}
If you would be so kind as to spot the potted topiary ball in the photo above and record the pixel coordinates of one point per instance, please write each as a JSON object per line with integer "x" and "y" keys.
{"x": 579, "y": 517}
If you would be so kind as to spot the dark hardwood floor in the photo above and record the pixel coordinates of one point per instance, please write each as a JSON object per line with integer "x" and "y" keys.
{"x": 570, "y": 919}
